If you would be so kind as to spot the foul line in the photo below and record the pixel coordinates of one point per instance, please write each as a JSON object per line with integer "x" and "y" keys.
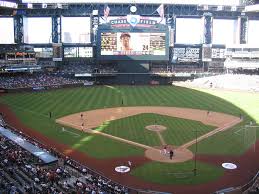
{"x": 185, "y": 146}
{"x": 71, "y": 132}
{"x": 106, "y": 135}
{"x": 226, "y": 126}
{"x": 237, "y": 132}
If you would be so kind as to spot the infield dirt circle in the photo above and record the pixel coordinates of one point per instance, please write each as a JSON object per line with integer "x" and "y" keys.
{"x": 95, "y": 118}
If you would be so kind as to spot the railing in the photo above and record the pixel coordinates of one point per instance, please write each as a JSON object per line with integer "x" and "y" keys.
{"x": 94, "y": 172}
{"x": 240, "y": 188}
{"x": 250, "y": 183}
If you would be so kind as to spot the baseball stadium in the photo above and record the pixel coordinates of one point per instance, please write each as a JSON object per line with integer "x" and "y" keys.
{"x": 152, "y": 97}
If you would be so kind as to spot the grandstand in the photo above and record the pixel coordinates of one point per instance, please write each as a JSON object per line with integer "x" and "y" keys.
{"x": 54, "y": 53}
{"x": 227, "y": 81}
{"x": 24, "y": 170}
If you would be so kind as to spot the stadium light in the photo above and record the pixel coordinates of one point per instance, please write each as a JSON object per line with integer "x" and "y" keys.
{"x": 233, "y": 8}
{"x": 133, "y": 9}
{"x": 29, "y": 6}
{"x": 95, "y": 12}
{"x": 44, "y": 5}
{"x": 205, "y": 7}
{"x": 59, "y": 6}
{"x": 220, "y": 8}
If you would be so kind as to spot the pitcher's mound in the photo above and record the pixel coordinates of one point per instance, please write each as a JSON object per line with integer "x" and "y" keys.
{"x": 156, "y": 128}
{"x": 180, "y": 155}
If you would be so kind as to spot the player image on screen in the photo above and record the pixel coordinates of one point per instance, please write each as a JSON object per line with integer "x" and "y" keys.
{"x": 133, "y": 43}
{"x": 125, "y": 42}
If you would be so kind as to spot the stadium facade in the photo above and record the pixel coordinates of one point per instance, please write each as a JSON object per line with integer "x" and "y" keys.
{"x": 168, "y": 41}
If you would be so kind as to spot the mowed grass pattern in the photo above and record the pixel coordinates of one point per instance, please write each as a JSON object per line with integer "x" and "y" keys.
{"x": 33, "y": 109}
{"x": 93, "y": 145}
{"x": 178, "y": 132}
{"x": 66, "y": 101}
{"x": 178, "y": 173}
{"x": 234, "y": 139}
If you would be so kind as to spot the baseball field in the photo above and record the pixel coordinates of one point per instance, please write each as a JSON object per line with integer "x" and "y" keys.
{"x": 107, "y": 126}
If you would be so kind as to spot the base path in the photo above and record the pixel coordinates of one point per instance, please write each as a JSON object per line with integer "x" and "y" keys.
{"x": 247, "y": 164}
{"x": 98, "y": 118}
{"x": 158, "y": 129}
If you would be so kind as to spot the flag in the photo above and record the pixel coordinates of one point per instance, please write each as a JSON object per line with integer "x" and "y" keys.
{"x": 106, "y": 12}
{"x": 161, "y": 11}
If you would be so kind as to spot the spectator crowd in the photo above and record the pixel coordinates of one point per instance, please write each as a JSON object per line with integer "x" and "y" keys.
{"x": 35, "y": 80}
{"x": 21, "y": 172}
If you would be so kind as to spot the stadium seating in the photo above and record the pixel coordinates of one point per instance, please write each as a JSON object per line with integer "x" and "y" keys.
{"x": 21, "y": 172}
{"x": 228, "y": 81}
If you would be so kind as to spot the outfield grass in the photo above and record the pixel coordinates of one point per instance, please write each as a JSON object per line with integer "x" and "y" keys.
{"x": 233, "y": 139}
{"x": 33, "y": 109}
{"x": 66, "y": 101}
{"x": 178, "y": 132}
{"x": 247, "y": 101}
{"x": 94, "y": 145}
{"x": 101, "y": 147}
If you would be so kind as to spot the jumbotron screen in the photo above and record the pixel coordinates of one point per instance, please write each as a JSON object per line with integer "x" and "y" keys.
{"x": 133, "y": 44}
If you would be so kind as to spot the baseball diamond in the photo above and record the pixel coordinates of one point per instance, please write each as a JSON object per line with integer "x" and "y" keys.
{"x": 123, "y": 97}
{"x": 115, "y": 135}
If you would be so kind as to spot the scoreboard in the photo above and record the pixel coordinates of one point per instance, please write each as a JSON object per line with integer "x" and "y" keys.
{"x": 108, "y": 42}
{"x": 138, "y": 44}
{"x": 186, "y": 54}
{"x": 133, "y": 45}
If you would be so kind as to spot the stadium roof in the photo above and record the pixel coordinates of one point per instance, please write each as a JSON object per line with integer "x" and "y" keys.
{"x": 8, "y": 4}
{"x": 252, "y": 8}
{"x": 189, "y": 2}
